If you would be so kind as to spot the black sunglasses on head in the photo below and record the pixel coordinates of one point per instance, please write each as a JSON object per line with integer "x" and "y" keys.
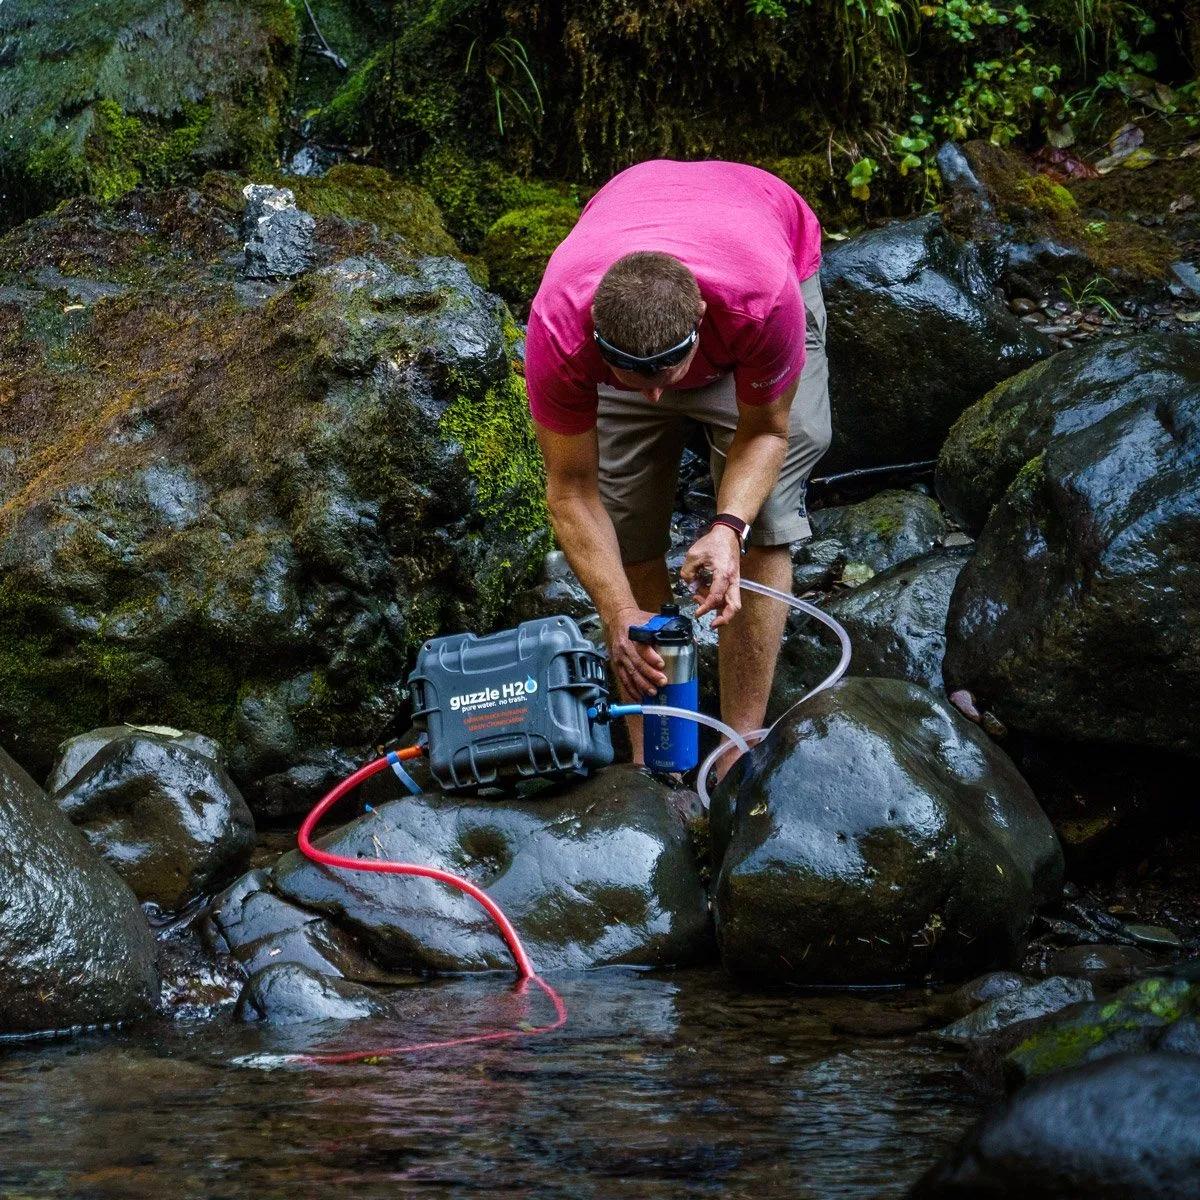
{"x": 649, "y": 364}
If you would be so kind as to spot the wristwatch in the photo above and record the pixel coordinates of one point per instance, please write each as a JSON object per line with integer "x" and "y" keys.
{"x": 740, "y": 527}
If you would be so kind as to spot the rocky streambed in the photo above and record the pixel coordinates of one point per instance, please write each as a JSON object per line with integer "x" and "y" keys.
{"x": 255, "y": 447}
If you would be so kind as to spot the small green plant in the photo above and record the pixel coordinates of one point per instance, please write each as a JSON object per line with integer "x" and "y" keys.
{"x": 1088, "y": 296}
{"x": 859, "y": 178}
{"x": 505, "y": 62}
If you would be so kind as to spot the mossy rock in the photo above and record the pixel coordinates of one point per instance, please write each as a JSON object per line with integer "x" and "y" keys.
{"x": 519, "y": 245}
{"x": 100, "y": 98}
{"x": 238, "y": 506}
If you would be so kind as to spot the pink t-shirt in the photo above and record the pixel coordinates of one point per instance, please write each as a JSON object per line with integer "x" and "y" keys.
{"x": 746, "y": 236}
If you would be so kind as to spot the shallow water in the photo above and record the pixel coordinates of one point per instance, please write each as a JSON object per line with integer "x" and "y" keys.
{"x": 660, "y": 1085}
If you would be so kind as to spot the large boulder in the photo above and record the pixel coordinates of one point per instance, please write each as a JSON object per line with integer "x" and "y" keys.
{"x": 915, "y": 334}
{"x": 100, "y": 98}
{"x": 1079, "y": 615}
{"x": 75, "y": 948}
{"x": 877, "y": 836}
{"x": 238, "y": 506}
{"x": 1110, "y": 1131}
{"x": 76, "y": 752}
{"x": 169, "y": 819}
{"x": 896, "y": 623}
{"x": 598, "y": 873}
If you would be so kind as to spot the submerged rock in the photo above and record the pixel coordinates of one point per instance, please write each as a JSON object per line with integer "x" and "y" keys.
{"x": 75, "y": 948}
{"x": 287, "y": 994}
{"x": 237, "y": 507}
{"x": 1079, "y": 615}
{"x": 876, "y": 836}
{"x": 915, "y": 335}
{"x": 598, "y": 873}
{"x": 169, "y": 819}
{"x": 1106, "y": 966}
{"x": 896, "y": 623}
{"x": 1110, "y": 1131}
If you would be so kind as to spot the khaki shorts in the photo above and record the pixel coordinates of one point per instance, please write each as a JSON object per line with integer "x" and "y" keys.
{"x": 641, "y": 445}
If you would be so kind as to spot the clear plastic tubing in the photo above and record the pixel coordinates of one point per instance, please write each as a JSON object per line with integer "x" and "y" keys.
{"x": 731, "y": 738}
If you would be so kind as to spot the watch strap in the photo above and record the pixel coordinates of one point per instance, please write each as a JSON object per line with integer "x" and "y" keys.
{"x": 740, "y": 527}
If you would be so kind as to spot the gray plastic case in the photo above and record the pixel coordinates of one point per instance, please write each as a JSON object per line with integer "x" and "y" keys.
{"x": 511, "y": 705}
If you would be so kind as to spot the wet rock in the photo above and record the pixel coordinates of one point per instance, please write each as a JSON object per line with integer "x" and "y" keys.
{"x": 279, "y": 237}
{"x": 887, "y": 529}
{"x": 170, "y": 820}
{"x": 1025, "y": 1004}
{"x": 75, "y": 947}
{"x": 915, "y": 334}
{"x": 1105, "y": 966}
{"x": 1077, "y": 616}
{"x": 227, "y": 533}
{"x": 106, "y": 97}
{"x": 896, "y": 623}
{"x": 876, "y": 836}
{"x": 259, "y": 928}
{"x": 979, "y": 991}
{"x": 75, "y": 753}
{"x": 1109, "y": 1131}
{"x": 599, "y": 873}
{"x": 1137, "y": 1018}
{"x": 558, "y": 593}
{"x": 287, "y": 993}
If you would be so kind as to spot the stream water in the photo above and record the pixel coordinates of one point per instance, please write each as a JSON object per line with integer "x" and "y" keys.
{"x": 665, "y": 1085}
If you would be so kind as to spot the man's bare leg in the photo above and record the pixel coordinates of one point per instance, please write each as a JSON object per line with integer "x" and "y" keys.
{"x": 749, "y": 645}
{"x": 651, "y": 587}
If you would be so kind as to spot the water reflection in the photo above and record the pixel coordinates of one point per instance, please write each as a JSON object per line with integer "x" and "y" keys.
{"x": 660, "y": 1085}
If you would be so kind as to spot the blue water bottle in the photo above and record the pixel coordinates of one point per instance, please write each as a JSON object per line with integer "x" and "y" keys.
{"x": 671, "y": 743}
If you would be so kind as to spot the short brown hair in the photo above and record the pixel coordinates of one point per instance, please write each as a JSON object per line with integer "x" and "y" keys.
{"x": 646, "y": 302}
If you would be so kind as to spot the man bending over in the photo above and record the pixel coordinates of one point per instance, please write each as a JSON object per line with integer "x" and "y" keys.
{"x": 685, "y": 290}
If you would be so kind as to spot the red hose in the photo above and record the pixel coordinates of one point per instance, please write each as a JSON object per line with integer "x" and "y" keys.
{"x": 524, "y": 966}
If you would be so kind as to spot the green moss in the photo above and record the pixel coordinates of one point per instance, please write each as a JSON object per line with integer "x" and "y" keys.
{"x": 519, "y": 245}
{"x": 369, "y": 194}
{"x": 502, "y": 456}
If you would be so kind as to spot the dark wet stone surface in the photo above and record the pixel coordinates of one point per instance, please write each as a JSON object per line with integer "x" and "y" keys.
{"x": 975, "y": 992}
{"x": 288, "y": 993}
{"x": 76, "y": 752}
{"x": 876, "y": 836}
{"x": 915, "y": 335}
{"x": 1107, "y": 966}
{"x": 1110, "y": 1131}
{"x": 259, "y": 928}
{"x": 1137, "y": 1018}
{"x": 896, "y": 623}
{"x": 279, "y": 236}
{"x": 75, "y": 946}
{"x": 887, "y": 529}
{"x": 1024, "y": 1004}
{"x": 1077, "y": 616}
{"x": 598, "y": 873}
{"x": 168, "y": 819}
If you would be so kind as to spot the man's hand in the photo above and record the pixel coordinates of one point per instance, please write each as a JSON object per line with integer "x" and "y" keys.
{"x": 638, "y": 667}
{"x": 713, "y": 568}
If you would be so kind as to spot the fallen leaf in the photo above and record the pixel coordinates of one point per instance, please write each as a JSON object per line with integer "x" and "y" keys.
{"x": 1192, "y": 148}
{"x": 1188, "y": 318}
{"x": 1139, "y": 159}
{"x": 1182, "y": 204}
{"x": 855, "y": 574}
{"x": 161, "y": 730}
{"x": 1062, "y": 137}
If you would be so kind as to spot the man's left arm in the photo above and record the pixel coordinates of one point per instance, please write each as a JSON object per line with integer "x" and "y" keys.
{"x": 752, "y": 466}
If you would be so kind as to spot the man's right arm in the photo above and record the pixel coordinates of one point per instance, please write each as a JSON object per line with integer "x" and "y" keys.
{"x": 589, "y": 541}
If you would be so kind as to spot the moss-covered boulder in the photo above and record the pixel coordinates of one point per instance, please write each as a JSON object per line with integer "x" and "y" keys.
{"x": 877, "y": 836}
{"x": 100, "y": 98}
{"x": 75, "y": 948}
{"x": 519, "y": 245}
{"x": 1079, "y": 615}
{"x": 592, "y": 874}
{"x": 235, "y": 506}
{"x": 915, "y": 335}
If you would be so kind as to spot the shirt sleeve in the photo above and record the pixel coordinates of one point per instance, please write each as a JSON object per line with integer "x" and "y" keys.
{"x": 559, "y": 397}
{"x": 774, "y": 354}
